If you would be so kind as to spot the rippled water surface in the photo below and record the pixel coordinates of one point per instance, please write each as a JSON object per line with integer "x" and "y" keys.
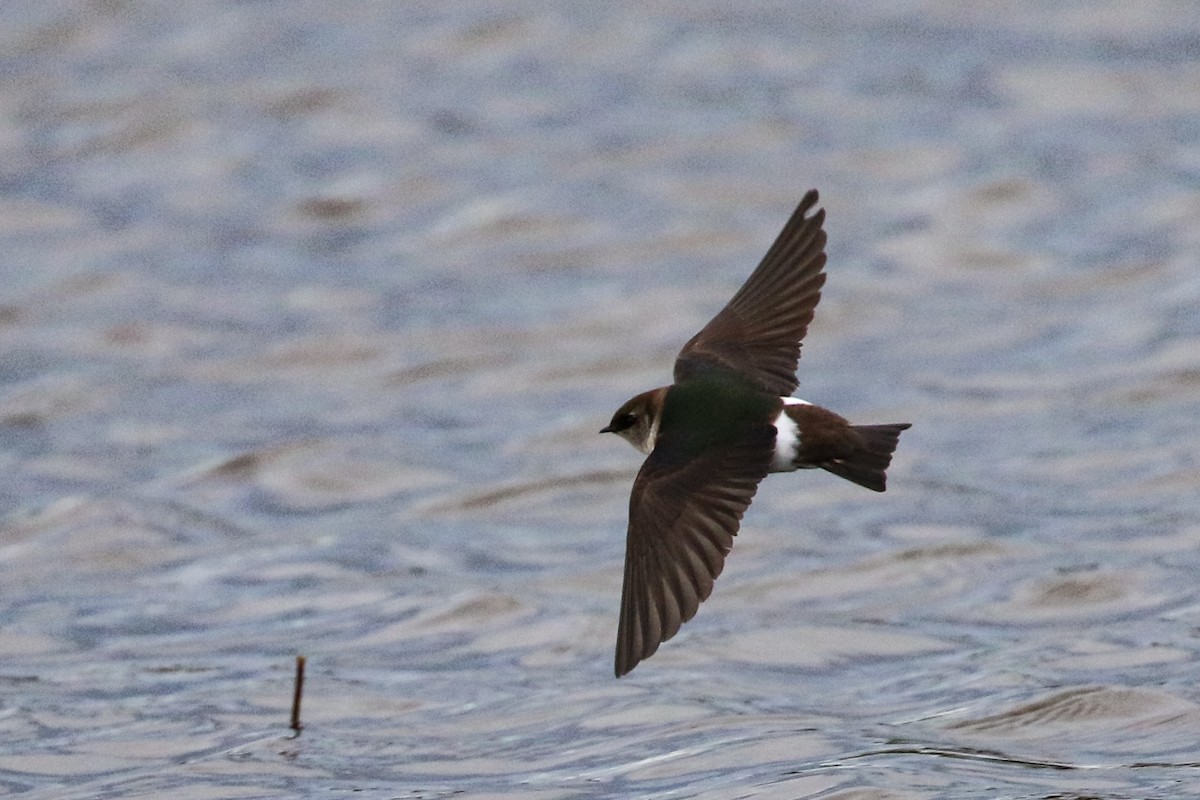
{"x": 310, "y": 312}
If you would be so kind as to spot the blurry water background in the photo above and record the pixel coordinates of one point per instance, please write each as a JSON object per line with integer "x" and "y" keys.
{"x": 310, "y": 312}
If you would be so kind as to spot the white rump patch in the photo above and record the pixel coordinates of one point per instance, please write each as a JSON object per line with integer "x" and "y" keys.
{"x": 794, "y": 401}
{"x": 787, "y": 439}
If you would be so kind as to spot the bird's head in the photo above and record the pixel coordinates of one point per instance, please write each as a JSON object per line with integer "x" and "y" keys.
{"x": 637, "y": 420}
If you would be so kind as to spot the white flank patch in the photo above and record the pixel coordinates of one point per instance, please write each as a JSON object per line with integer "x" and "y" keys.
{"x": 794, "y": 401}
{"x": 787, "y": 439}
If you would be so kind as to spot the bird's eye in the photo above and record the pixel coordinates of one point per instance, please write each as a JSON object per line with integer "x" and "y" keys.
{"x": 628, "y": 420}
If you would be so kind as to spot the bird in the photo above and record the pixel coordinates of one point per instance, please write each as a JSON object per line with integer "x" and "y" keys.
{"x": 728, "y": 420}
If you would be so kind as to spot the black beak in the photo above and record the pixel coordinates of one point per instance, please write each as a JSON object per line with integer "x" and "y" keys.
{"x": 607, "y": 429}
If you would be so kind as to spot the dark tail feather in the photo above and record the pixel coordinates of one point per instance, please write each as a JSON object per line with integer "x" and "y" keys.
{"x": 868, "y": 465}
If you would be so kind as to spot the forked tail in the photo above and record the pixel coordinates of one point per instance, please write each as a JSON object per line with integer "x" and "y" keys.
{"x": 867, "y": 466}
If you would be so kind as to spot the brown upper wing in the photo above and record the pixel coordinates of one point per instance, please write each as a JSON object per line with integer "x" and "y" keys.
{"x": 758, "y": 332}
{"x": 682, "y": 520}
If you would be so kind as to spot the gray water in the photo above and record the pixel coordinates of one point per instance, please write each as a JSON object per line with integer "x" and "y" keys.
{"x": 310, "y": 312}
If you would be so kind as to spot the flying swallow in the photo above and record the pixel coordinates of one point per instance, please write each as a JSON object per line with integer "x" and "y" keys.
{"x": 727, "y": 421}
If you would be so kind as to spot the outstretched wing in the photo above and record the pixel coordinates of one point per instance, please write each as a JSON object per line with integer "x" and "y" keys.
{"x": 683, "y": 515}
{"x": 758, "y": 333}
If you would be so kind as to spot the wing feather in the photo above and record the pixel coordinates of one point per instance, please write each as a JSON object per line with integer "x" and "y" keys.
{"x": 682, "y": 520}
{"x": 758, "y": 332}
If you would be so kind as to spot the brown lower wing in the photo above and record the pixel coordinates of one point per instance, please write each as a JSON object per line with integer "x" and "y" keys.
{"x": 682, "y": 520}
{"x": 758, "y": 333}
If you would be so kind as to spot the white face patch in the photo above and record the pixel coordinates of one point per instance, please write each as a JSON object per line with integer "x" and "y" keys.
{"x": 652, "y": 439}
{"x": 787, "y": 439}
